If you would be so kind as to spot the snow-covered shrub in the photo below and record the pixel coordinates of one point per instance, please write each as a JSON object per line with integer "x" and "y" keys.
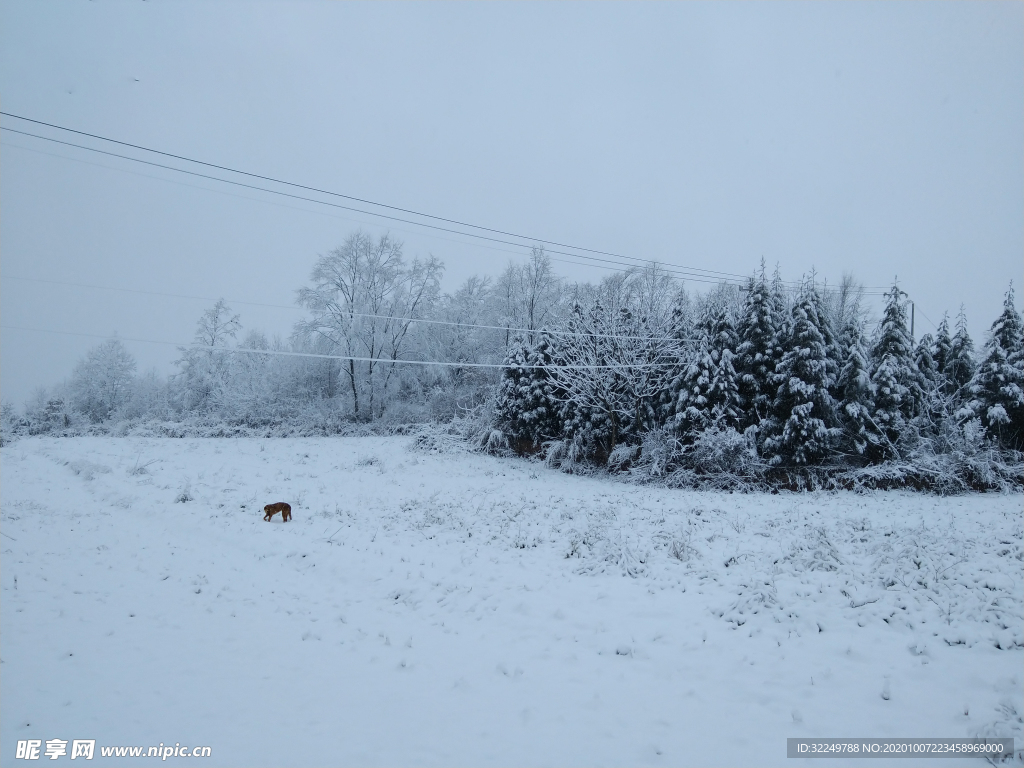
{"x": 1008, "y": 721}
{"x": 719, "y": 459}
{"x": 50, "y": 412}
{"x": 554, "y": 453}
{"x": 570, "y": 456}
{"x": 10, "y": 425}
{"x": 622, "y": 457}
{"x": 185, "y": 494}
{"x": 719, "y": 451}
{"x": 679, "y": 544}
{"x": 613, "y": 550}
{"x": 658, "y": 449}
{"x": 494, "y": 441}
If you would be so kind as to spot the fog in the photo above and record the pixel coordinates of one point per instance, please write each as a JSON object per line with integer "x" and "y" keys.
{"x": 881, "y": 139}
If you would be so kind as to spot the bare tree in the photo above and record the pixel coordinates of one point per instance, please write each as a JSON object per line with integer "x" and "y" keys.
{"x": 363, "y": 301}
{"x": 530, "y": 295}
{"x": 843, "y": 304}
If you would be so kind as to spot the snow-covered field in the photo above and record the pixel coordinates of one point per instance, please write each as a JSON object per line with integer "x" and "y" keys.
{"x": 433, "y": 608}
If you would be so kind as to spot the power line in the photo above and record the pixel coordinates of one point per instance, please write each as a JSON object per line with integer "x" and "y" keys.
{"x": 422, "y": 321}
{"x": 928, "y": 319}
{"x": 270, "y": 202}
{"x": 378, "y": 360}
{"x": 685, "y": 272}
{"x": 350, "y": 197}
{"x": 307, "y": 210}
{"x": 679, "y": 272}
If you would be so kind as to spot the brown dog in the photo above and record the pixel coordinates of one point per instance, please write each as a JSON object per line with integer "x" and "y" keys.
{"x": 272, "y": 509}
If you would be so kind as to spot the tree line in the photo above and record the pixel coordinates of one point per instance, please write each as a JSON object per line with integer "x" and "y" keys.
{"x": 632, "y": 370}
{"x": 759, "y": 376}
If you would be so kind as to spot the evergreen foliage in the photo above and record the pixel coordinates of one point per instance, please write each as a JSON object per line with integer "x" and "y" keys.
{"x": 510, "y": 399}
{"x": 960, "y": 365}
{"x": 709, "y": 392}
{"x": 527, "y": 404}
{"x": 998, "y": 384}
{"x": 942, "y": 349}
{"x": 894, "y": 375}
{"x": 925, "y": 362}
{"x": 681, "y": 333}
{"x": 802, "y": 426}
{"x": 755, "y": 355}
{"x": 854, "y": 386}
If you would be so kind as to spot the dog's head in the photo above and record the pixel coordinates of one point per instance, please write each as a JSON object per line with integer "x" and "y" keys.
{"x": 266, "y": 509}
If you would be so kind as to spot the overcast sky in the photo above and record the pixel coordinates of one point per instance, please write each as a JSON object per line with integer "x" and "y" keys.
{"x": 883, "y": 139}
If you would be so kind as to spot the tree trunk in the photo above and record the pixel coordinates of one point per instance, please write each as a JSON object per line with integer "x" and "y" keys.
{"x": 352, "y": 381}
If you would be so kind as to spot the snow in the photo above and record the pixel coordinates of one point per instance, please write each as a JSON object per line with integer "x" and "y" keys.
{"x": 433, "y": 607}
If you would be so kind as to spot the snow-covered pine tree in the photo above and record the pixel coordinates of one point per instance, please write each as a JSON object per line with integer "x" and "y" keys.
{"x": 508, "y": 407}
{"x": 781, "y": 309}
{"x": 755, "y": 355}
{"x": 724, "y": 396}
{"x": 998, "y": 384}
{"x": 709, "y": 394}
{"x": 528, "y": 405}
{"x": 924, "y": 360}
{"x": 933, "y": 409}
{"x": 941, "y": 349}
{"x": 783, "y": 324}
{"x": 960, "y": 365}
{"x": 833, "y": 354}
{"x": 802, "y": 426}
{"x": 692, "y": 410}
{"x": 894, "y": 375}
{"x": 854, "y": 386}
{"x": 681, "y": 330}
{"x": 544, "y": 398}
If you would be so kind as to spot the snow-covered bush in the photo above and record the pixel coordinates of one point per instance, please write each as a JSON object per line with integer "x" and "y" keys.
{"x": 10, "y": 425}
{"x": 659, "y": 448}
{"x": 185, "y": 494}
{"x": 571, "y": 456}
{"x": 723, "y": 450}
{"x": 623, "y": 457}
